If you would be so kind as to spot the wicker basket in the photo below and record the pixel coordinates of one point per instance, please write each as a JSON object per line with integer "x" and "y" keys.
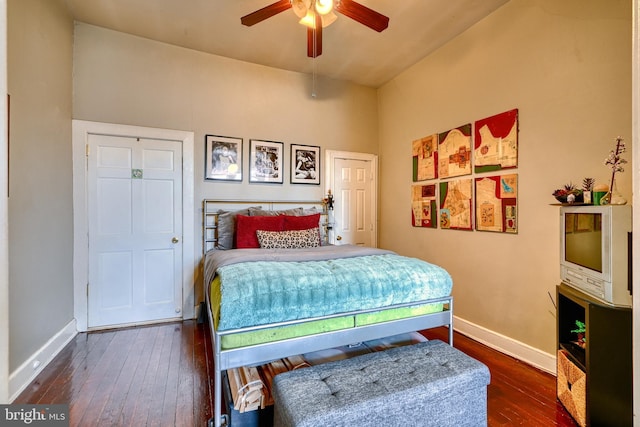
{"x": 572, "y": 388}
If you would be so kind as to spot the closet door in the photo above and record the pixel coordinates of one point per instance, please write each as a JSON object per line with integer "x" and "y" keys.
{"x": 354, "y": 204}
{"x": 135, "y": 230}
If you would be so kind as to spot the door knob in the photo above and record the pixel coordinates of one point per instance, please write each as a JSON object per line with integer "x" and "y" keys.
{"x": 175, "y": 240}
{"x": 339, "y": 238}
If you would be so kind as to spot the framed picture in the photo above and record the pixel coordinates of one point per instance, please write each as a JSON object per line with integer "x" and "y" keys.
{"x": 265, "y": 162}
{"x": 456, "y": 204}
{"x": 223, "y": 158}
{"x": 425, "y": 158}
{"x": 496, "y": 142}
{"x": 496, "y": 203}
{"x": 424, "y": 205}
{"x": 454, "y": 152}
{"x": 305, "y": 164}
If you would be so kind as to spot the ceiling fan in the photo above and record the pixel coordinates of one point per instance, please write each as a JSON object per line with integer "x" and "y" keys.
{"x": 317, "y": 14}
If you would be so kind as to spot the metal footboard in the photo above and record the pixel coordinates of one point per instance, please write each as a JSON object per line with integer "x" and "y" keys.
{"x": 263, "y": 353}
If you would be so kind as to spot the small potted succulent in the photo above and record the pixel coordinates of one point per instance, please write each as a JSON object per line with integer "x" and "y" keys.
{"x": 587, "y": 189}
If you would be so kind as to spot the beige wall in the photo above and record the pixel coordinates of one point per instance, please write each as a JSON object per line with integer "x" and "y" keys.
{"x": 567, "y": 67}
{"x": 40, "y": 38}
{"x": 131, "y": 80}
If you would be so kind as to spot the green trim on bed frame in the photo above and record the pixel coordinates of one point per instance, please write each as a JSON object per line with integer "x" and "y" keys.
{"x": 244, "y": 339}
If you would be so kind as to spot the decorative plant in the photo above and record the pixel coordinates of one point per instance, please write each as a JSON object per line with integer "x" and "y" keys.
{"x": 616, "y": 162}
{"x": 580, "y": 329}
{"x": 587, "y": 184}
{"x": 568, "y": 194}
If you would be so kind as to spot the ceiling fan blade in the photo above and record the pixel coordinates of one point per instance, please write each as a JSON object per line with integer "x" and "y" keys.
{"x": 314, "y": 39}
{"x": 265, "y": 12}
{"x": 362, "y": 14}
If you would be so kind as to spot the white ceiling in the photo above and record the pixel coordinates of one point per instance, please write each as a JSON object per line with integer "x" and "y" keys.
{"x": 351, "y": 51}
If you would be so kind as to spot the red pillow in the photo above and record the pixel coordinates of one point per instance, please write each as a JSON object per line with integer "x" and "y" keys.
{"x": 246, "y": 227}
{"x": 294, "y": 223}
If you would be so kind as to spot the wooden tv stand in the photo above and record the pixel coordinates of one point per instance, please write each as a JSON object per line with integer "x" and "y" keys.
{"x": 606, "y": 358}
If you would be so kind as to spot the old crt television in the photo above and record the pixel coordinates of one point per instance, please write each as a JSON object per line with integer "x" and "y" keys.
{"x": 595, "y": 258}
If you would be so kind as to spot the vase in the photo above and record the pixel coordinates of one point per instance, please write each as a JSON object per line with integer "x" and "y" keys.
{"x": 616, "y": 196}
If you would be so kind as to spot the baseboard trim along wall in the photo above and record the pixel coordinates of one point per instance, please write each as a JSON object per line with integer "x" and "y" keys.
{"x": 506, "y": 345}
{"x": 22, "y": 377}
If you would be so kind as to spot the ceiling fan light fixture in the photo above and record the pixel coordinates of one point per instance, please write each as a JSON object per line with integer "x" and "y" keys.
{"x": 309, "y": 19}
{"x": 300, "y": 7}
{"x": 324, "y": 7}
{"x": 318, "y": 14}
{"x": 328, "y": 19}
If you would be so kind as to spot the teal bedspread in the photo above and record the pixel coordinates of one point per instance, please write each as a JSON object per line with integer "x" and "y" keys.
{"x": 264, "y": 292}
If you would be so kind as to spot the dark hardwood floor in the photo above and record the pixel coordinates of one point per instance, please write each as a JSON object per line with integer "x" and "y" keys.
{"x": 160, "y": 376}
{"x": 144, "y": 376}
{"x": 519, "y": 394}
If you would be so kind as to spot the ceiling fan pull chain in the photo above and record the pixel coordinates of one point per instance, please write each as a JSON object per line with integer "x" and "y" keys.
{"x": 313, "y": 81}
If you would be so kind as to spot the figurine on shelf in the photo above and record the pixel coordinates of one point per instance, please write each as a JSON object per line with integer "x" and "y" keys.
{"x": 327, "y": 208}
{"x": 328, "y": 201}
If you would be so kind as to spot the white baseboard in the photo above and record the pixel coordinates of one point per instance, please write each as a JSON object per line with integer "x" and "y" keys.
{"x": 506, "y": 345}
{"x": 22, "y": 377}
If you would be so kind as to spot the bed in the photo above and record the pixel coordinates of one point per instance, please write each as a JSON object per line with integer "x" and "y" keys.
{"x": 274, "y": 288}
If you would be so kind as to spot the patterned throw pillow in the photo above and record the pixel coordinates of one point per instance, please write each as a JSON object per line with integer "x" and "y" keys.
{"x": 292, "y": 239}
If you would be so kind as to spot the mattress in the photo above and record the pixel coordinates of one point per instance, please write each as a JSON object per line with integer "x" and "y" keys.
{"x": 259, "y": 287}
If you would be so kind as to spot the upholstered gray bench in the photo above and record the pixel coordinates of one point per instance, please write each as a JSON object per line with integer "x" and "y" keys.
{"x": 425, "y": 384}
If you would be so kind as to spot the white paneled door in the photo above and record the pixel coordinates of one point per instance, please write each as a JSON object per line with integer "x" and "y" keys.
{"x": 353, "y": 190}
{"x": 134, "y": 197}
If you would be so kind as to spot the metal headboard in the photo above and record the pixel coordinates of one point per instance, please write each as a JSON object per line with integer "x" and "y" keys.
{"x": 210, "y": 208}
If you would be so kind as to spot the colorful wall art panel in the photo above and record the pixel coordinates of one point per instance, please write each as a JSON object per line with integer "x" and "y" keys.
{"x": 424, "y": 206}
{"x": 454, "y": 152}
{"x": 456, "y": 204}
{"x": 425, "y": 158}
{"x": 496, "y": 203}
{"x": 496, "y": 142}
